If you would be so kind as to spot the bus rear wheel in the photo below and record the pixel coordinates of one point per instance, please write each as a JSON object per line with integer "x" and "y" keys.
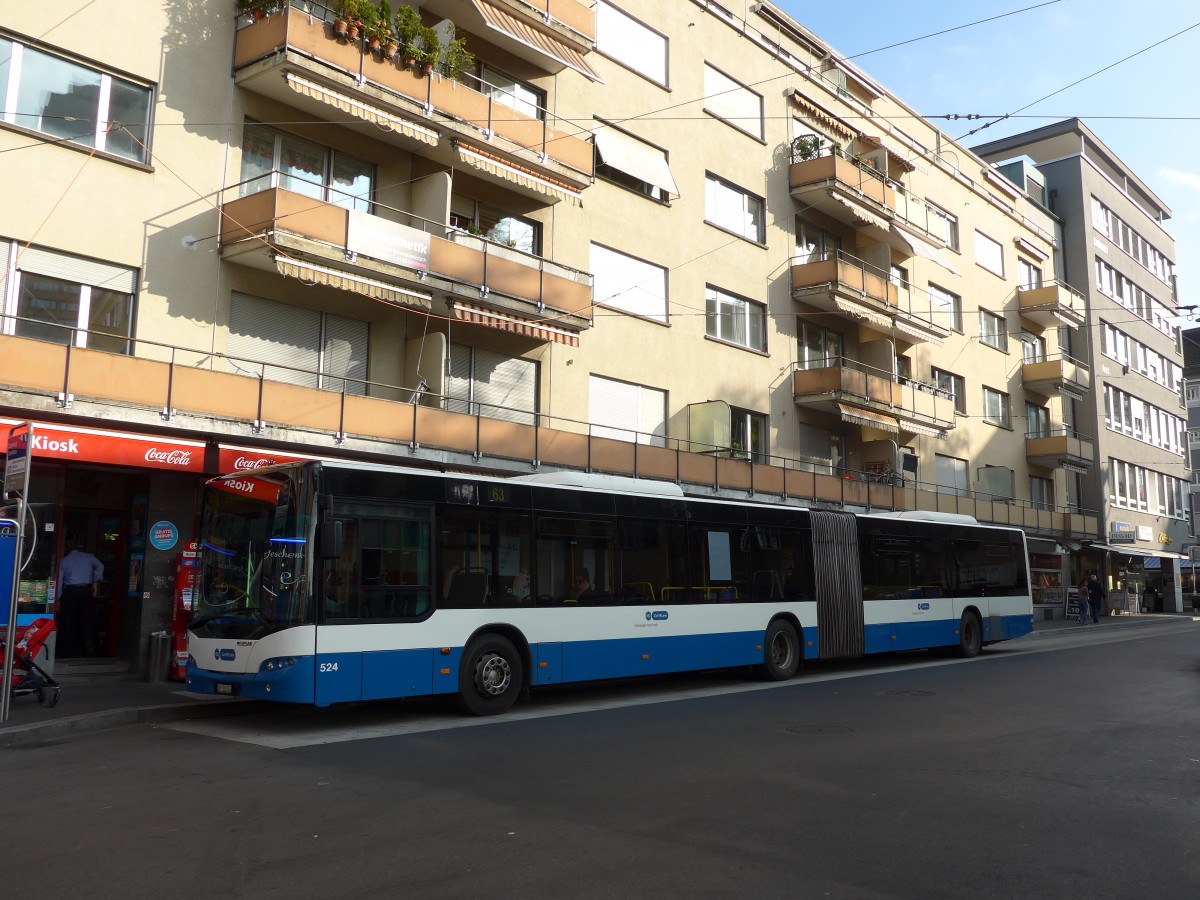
{"x": 970, "y": 635}
{"x": 781, "y": 651}
{"x": 490, "y": 675}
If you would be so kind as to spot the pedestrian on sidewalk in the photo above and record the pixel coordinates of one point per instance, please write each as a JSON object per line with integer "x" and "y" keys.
{"x": 79, "y": 576}
{"x": 1081, "y": 594}
{"x": 1095, "y": 596}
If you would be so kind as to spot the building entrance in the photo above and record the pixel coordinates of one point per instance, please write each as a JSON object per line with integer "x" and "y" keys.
{"x": 100, "y": 533}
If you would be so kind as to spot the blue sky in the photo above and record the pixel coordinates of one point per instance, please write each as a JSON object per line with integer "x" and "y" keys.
{"x": 999, "y": 66}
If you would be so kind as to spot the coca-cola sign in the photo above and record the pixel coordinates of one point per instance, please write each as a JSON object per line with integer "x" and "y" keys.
{"x": 181, "y": 459}
{"x": 239, "y": 459}
{"x": 116, "y": 449}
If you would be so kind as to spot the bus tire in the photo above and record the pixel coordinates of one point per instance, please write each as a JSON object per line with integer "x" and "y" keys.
{"x": 490, "y": 676}
{"x": 781, "y": 651}
{"x": 970, "y": 635}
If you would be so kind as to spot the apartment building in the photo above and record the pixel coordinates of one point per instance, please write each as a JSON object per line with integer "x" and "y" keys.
{"x": 1118, "y": 253}
{"x": 1190, "y": 339}
{"x": 679, "y": 240}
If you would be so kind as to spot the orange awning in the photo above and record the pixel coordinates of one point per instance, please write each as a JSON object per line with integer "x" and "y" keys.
{"x": 514, "y": 324}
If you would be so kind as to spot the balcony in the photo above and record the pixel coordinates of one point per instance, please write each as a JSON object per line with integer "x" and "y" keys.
{"x": 1052, "y": 305}
{"x": 843, "y": 284}
{"x": 317, "y": 241}
{"x": 871, "y": 398}
{"x": 1060, "y": 448}
{"x": 539, "y": 31}
{"x": 855, "y": 194}
{"x": 1057, "y": 375}
{"x": 296, "y": 60}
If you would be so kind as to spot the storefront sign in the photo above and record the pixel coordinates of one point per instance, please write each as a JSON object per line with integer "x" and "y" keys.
{"x": 17, "y": 462}
{"x": 235, "y": 459}
{"x": 163, "y": 535}
{"x": 389, "y": 241}
{"x": 250, "y": 486}
{"x": 115, "y": 448}
{"x": 1121, "y": 533}
{"x": 1145, "y": 533}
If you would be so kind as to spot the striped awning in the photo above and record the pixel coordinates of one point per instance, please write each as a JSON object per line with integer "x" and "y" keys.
{"x": 924, "y": 334}
{"x": 926, "y": 430}
{"x": 514, "y": 324}
{"x": 862, "y": 312}
{"x": 538, "y": 41}
{"x": 345, "y": 281}
{"x": 861, "y": 214}
{"x": 868, "y": 418}
{"x": 477, "y": 159}
{"x": 896, "y": 155}
{"x": 920, "y": 246}
{"x": 822, "y": 116}
{"x": 364, "y": 111}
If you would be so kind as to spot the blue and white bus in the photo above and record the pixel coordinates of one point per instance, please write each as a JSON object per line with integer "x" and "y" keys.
{"x": 330, "y": 582}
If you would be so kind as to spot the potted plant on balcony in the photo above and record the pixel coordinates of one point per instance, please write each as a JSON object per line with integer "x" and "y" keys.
{"x": 378, "y": 27}
{"x": 259, "y": 9}
{"x": 431, "y": 49}
{"x": 408, "y": 29}
{"x": 456, "y": 58}
{"x": 349, "y": 15}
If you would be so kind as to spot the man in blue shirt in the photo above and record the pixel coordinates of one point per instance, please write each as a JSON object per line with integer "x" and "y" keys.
{"x": 79, "y": 577}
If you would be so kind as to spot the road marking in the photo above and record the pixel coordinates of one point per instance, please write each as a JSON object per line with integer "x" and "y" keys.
{"x": 292, "y": 728}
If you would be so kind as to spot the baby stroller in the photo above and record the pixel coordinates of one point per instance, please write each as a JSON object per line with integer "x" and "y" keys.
{"x": 28, "y": 677}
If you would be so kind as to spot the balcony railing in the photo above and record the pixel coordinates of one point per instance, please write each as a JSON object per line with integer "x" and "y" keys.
{"x": 211, "y": 395}
{"x": 1061, "y": 447}
{"x": 874, "y": 398}
{"x": 274, "y": 220}
{"x": 1054, "y": 303}
{"x": 1058, "y": 373}
{"x": 846, "y": 190}
{"x": 467, "y": 109}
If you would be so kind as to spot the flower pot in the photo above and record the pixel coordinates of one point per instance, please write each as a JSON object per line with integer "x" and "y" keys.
{"x": 258, "y": 15}
{"x": 390, "y": 51}
{"x": 374, "y": 43}
{"x": 409, "y": 62}
{"x": 339, "y": 27}
{"x": 428, "y": 68}
{"x": 351, "y": 31}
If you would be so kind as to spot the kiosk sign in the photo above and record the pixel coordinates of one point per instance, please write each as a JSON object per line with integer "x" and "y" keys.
{"x": 16, "y": 466}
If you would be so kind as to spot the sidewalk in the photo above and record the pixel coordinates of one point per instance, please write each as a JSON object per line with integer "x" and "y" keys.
{"x": 99, "y": 701}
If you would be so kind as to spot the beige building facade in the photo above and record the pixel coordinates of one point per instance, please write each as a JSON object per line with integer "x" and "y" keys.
{"x": 677, "y": 240}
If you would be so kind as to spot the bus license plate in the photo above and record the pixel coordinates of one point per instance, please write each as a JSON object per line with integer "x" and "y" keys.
{"x": 224, "y": 688}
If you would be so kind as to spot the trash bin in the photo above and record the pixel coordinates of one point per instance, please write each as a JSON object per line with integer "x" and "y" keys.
{"x": 158, "y": 660}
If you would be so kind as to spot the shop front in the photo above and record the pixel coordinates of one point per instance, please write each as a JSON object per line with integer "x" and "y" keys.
{"x": 1137, "y": 579}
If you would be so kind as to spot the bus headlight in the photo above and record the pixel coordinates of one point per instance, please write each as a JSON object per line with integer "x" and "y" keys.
{"x": 272, "y": 665}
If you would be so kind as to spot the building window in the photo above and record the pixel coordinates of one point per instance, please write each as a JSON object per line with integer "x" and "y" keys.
{"x": 733, "y": 102}
{"x": 1029, "y": 276}
{"x": 623, "y": 159}
{"x": 1041, "y": 492}
{"x": 1037, "y": 421}
{"x": 274, "y": 159}
{"x": 297, "y": 346}
{"x": 489, "y": 384}
{"x": 995, "y": 407}
{"x": 814, "y": 243}
{"x": 733, "y": 209}
{"x": 516, "y": 95}
{"x": 989, "y": 254}
{"x": 67, "y": 299}
{"x": 627, "y": 412}
{"x": 628, "y": 284}
{"x": 1033, "y": 348}
{"x": 954, "y": 386}
{"x": 748, "y": 433}
{"x": 951, "y": 475}
{"x": 631, "y": 43}
{"x": 496, "y": 225}
{"x": 819, "y": 347}
{"x": 70, "y": 101}
{"x": 943, "y": 225}
{"x": 992, "y": 331}
{"x": 946, "y": 308}
{"x": 736, "y": 320}
{"x": 996, "y": 481}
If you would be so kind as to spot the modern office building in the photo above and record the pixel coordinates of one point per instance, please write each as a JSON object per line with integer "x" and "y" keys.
{"x": 1118, "y": 253}
{"x": 680, "y": 240}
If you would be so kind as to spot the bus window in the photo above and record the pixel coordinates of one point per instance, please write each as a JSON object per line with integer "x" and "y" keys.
{"x": 720, "y": 565}
{"x": 484, "y": 559}
{"x": 651, "y": 557}
{"x": 567, "y": 548}
{"x": 384, "y": 570}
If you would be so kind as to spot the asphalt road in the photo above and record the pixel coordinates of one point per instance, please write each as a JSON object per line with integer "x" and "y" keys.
{"x": 1064, "y": 766}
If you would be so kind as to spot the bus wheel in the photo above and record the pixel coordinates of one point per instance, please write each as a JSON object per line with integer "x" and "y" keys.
{"x": 490, "y": 675}
{"x": 781, "y": 651}
{"x": 970, "y": 635}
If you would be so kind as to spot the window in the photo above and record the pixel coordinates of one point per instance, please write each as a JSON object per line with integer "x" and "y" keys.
{"x": 296, "y": 345}
{"x": 733, "y": 102}
{"x": 67, "y": 299}
{"x": 815, "y": 244}
{"x": 989, "y": 254}
{"x": 736, "y": 320}
{"x": 819, "y": 347}
{"x": 951, "y": 475}
{"x": 996, "y": 480}
{"x": 1033, "y": 348}
{"x": 628, "y": 284}
{"x": 992, "y": 331}
{"x": 946, "y": 308}
{"x": 273, "y": 159}
{"x": 954, "y": 386}
{"x": 748, "y": 433}
{"x": 1029, "y": 276}
{"x": 634, "y": 164}
{"x": 943, "y": 225}
{"x": 64, "y": 99}
{"x": 733, "y": 209}
{"x": 1037, "y": 421}
{"x": 627, "y": 412}
{"x": 630, "y": 42}
{"x": 516, "y": 95}
{"x": 496, "y": 225}
{"x": 995, "y": 407}
{"x": 485, "y": 383}
{"x": 1041, "y": 492}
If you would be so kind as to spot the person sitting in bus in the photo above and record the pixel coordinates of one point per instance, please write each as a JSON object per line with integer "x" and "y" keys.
{"x": 582, "y": 594}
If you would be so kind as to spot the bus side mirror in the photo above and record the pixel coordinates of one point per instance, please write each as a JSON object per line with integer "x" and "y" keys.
{"x": 329, "y": 539}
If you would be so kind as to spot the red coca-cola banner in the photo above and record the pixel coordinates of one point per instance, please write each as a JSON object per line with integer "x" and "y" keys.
{"x": 250, "y": 486}
{"x": 239, "y": 459}
{"x": 116, "y": 448}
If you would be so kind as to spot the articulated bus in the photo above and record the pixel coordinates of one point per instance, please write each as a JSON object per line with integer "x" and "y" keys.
{"x": 328, "y": 582}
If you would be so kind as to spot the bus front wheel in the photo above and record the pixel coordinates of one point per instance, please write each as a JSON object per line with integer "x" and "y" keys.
{"x": 781, "y": 651}
{"x": 970, "y": 635}
{"x": 490, "y": 676}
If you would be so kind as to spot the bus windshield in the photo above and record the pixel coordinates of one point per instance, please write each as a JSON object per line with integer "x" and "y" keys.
{"x": 254, "y": 560}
